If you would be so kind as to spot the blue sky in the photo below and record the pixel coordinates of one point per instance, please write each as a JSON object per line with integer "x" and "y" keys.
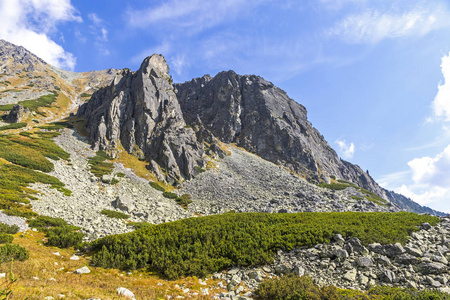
{"x": 373, "y": 75}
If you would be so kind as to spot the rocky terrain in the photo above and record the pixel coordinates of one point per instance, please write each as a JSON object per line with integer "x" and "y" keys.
{"x": 90, "y": 195}
{"x": 244, "y": 182}
{"x": 421, "y": 263}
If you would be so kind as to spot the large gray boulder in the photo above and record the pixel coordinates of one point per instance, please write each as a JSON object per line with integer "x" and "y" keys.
{"x": 17, "y": 114}
{"x": 140, "y": 112}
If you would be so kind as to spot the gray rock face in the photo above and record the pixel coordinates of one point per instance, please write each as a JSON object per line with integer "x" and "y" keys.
{"x": 258, "y": 116}
{"x": 140, "y": 112}
{"x": 17, "y": 113}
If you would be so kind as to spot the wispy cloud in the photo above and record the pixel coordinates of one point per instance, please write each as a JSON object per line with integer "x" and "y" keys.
{"x": 98, "y": 30}
{"x": 374, "y": 25}
{"x": 190, "y": 14}
{"x": 347, "y": 150}
{"x": 29, "y": 23}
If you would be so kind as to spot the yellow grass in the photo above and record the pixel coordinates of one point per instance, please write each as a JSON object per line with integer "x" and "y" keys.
{"x": 46, "y": 274}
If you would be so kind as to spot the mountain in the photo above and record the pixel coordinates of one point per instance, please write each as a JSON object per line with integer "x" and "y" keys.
{"x": 181, "y": 130}
{"x": 178, "y": 128}
{"x": 196, "y": 153}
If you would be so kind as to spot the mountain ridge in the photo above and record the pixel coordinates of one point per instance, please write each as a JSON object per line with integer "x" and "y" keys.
{"x": 201, "y": 139}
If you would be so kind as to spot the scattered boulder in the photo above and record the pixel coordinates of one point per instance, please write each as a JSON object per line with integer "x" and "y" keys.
{"x": 83, "y": 270}
{"x": 121, "y": 291}
{"x": 17, "y": 114}
{"x": 123, "y": 203}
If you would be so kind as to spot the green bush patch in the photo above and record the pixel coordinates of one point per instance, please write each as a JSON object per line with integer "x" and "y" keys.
{"x": 58, "y": 232}
{"x": 199, "y": 246}
{"x": 292, "y": 287}
{"x": 5, "y": 238}
{"x": 13, "y": 126}
{"x": 170, "y": 195}
{"x": 184, "y": 200}
{"x": 114, "y": 214}
{"x": 13, "y": 251}
{"x": 33, "y": 105}
{"x": 156, "y": 186}
{"x": 98, "y": 165}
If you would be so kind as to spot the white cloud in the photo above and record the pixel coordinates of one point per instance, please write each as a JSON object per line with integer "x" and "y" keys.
{"x": 29, "y": 23}
{"x": 426, "y": 195}
{"x": 194, "y": 15}
{"x": 374, "y": 25}
{"x": 346, "y": 150}
{"x": 97, "y": 28}
{"x": 433, "y": 171}
{"x": 441, "y": 103}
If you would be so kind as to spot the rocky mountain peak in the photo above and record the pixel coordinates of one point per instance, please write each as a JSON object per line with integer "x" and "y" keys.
{"x": 140, "y": 112}
{"x": 157, "y": 63}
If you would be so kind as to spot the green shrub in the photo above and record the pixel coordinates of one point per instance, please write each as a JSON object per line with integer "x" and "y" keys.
{"x": 58, "y": 232}
{"x": 84, "y": 95}
{"x": 98, "y": 165}
{"x": 42, "y": 222}
{"x": 184, "y": 200}
{"x": 334, "y": 186}
{"x": 140, "y": 225}
{"x": 292, "y": 287}
{"x": 121, "y": 175}
{"x": 63, "y": 237}
{"x": 13, "y": 251}
{"x": 114, "y": 181}
{"x": 114, "y": 214}
{"x": 200, "y": 169}
{"x": 10, "y": 229}
{"x": 199, "y": 246}
{"x": 156, "y": 186}
{"x": 170, "y": 195}
{"x": 13, "y": 126}
{"x": 34, "y": 104}
{"x": 5, "y": 238}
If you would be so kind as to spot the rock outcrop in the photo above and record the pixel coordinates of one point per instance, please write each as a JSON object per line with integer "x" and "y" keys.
{"x": 17, "y": 113}
{"x": 258, "y": 116}
{"x": 140, "y": 112}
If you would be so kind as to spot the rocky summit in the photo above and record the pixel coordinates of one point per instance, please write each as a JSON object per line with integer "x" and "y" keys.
{"x": 140, "y": 112}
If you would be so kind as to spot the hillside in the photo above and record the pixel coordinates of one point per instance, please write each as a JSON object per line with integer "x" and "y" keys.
{"x": 121, "y": 152}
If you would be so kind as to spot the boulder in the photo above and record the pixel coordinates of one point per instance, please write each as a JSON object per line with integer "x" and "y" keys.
{"x": 365, "y": 262}
{"x": 121, "y": 291}
{"x": 432, "y": 268}
{"x": 387, "y": 276}
{"x": 83, "y": 270}
{"x": 17, "y": 113}
{"x": 123, "y": 203}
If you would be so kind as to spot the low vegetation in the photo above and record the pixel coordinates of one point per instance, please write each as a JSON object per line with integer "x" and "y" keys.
{"x": 34, "y": 104}
{"x": 342, "y": 185}
{"x": 292, "y": 287}
{"x": 13, "y": 126}
{"x": 199, "y": 246}
{"x": 58, "y": 232}
{"x": 114, "y": 214}
{"x": 156, "y": 186}
{"x": 98, "y": 164}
